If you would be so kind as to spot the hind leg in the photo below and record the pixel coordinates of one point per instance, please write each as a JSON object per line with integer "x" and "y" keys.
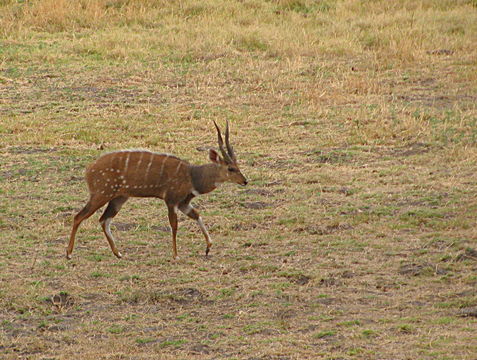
{"x": 90, "y": 208}
{"x": 111, "y": 211}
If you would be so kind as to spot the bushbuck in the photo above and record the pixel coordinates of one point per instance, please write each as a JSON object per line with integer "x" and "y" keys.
{"x": 119, "y": 175}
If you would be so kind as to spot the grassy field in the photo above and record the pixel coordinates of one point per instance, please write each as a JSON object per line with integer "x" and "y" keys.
{"x": 355, "y": 122}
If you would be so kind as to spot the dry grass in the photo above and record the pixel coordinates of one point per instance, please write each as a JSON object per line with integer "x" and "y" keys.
{"x": 355, "y": 122}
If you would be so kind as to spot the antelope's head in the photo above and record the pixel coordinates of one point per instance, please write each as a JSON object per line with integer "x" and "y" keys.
{"x": 228, "y": 168}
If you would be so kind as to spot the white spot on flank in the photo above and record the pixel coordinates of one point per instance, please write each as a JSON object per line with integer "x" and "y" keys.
{"x": 127, "y": 162}
{"x": 149, "y": 166}
{"x": 140, "y": 160}
{"x": 162, "y": 165}
{"x": 178, "y": 167}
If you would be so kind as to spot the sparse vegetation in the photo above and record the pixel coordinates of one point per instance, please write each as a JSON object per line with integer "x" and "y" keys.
{"x": 356, "y": 122}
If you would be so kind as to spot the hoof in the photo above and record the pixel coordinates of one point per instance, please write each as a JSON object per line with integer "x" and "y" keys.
{"x": 68, "y": 256}
{"x": 207, "y": 249}
{"x": 119, "y": 255}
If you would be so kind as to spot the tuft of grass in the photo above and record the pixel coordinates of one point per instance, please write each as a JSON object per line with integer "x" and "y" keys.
{"x": 172, "y": 343}
{"x": 143, "y": 341}
{"x": 100, "y": 274}
{"x": 324, "y": 334}
{"x": 350, "y": 323}
{"x": 115, "y": 329}
{"x": 406, "y": 328}
{"x": 368, "y": 333}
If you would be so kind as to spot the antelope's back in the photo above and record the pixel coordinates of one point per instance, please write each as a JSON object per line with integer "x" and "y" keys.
{"x": 138, "y": 173}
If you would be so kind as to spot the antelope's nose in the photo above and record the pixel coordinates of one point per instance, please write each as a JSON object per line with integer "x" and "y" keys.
{"x": 245, "y": 182}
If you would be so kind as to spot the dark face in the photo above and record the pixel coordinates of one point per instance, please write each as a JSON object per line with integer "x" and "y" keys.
{"x": 228, "y": 172}
{"x": 234, "y": 175}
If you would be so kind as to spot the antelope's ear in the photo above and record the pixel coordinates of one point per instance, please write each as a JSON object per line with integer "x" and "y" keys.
{"x": 214, "y": 156}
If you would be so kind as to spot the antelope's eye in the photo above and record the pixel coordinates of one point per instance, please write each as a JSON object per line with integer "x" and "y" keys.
{"x": 231, "y": 169}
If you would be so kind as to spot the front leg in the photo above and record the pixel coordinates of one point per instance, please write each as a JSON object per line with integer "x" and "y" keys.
{"x": 173, "y": 221}
{"x": 188, "y": 210}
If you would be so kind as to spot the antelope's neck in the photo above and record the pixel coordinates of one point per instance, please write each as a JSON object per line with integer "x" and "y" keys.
{"x": 204, "y": 177}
